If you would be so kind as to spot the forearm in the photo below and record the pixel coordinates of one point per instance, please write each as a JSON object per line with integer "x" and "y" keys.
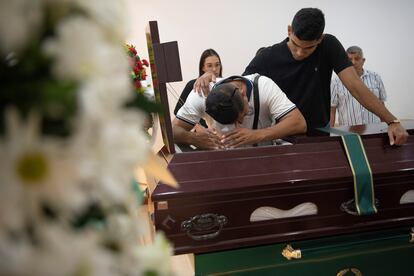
{"x": 372, "y": 103}
{"x": 286, "y": 127}
{"x": 364, "y": 96}
{"x": 183, "y": 136}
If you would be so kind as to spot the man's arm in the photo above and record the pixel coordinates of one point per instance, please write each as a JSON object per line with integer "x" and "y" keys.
{"x": 396, "y": 132}
{"x": 333, "y": 114}
{"x": 200, "y": 137}
{"x": 290, "y": 124}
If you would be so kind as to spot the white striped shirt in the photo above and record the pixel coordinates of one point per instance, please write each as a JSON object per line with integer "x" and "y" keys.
{"x": 350, "y": 111}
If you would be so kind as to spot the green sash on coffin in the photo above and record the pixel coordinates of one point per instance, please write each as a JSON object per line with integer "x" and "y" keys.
{"x": 361, "y": 170}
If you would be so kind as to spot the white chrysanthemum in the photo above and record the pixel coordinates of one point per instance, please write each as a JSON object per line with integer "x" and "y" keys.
{"x": 19, "y": 23}
{"x": 37, "y": 170}
{"x": 110, "y": 15}
{"x": 81, "y": 51}
{"x": 15, "y": 254}
{"x": 66, "y": 252}
{"x": 154, "y": 258}
{"x": 111, "y": 151}
{"x": 102, "y": 97}
{"x": 95, "y": 165}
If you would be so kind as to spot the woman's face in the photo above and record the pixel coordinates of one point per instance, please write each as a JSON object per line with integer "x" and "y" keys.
{"x": 212, "y": 64}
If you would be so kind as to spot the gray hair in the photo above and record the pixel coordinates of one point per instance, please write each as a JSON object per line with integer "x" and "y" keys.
{"x": 355, "y": 50}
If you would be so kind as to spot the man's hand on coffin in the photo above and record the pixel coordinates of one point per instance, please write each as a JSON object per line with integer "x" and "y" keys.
{"x": 397, "y": 134}
{"x": 203, "y": 138}
{"x": 202, "y": 83}
{"x": 239, "y": 137}
{"x": 206, "y": 138}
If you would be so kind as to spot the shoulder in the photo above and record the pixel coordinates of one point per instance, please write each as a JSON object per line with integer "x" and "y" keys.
{"x": 195, "y": 99}
{"x": 190, "y": 83}
{"x": 335, "y": 79}
{"x": 331, "y": 43}
{"x": 262, "y": 81}
{"x": 328, "y": 38}
{"x": 268, "y": 89}
{"x": 372, "y": 73}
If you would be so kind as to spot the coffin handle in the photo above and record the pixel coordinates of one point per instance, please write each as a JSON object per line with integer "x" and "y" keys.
{"x": 204, "y": 227}
{"x": 350, "y": 208}
{"x": 289, "y": 253}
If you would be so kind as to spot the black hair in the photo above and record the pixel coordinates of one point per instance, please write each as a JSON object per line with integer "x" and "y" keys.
{"x": 308, "y": 24}
{"x": 224, "y": 103}
{"x": 260, "y": 50}
{"x": 208, "y": 53}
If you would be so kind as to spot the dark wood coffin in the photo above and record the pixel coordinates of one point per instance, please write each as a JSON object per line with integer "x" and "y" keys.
{"x": 219, "y": 191}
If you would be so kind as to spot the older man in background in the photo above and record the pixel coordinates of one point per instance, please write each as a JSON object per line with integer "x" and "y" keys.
{"x": 350, "y": 111}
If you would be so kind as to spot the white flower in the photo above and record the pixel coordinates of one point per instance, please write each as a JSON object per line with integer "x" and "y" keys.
{"x": 110, "y": 15}
{"x": 66, "y": 252}
{"x": 110, "y": 152}
{"x": 35, "y": 171}
{"x": 15, "y": 254}
{"x": 102, "y": 97}
{"x": 19, "y": 23}
{"x": 155, "y": 257}
{"x": 81, "y": 51}
{"x": 48, "y": 184}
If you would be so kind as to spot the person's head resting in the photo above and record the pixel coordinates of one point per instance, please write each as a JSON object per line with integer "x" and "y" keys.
{"x": 226, "y": 103}
{"x": 356, "y": 56}
{"x": 306, "y": 32}
{"x": 210, "y": 62}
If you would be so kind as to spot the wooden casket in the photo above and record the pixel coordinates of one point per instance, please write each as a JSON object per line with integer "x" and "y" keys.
{"x": 225, "y": 196}
{"x": 283, "y": 210}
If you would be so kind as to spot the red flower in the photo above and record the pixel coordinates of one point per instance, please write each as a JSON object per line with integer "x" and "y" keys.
{"x": 137, "y": 84}
{"x": 132, "y": 50}
{"x": 136, "y": 70}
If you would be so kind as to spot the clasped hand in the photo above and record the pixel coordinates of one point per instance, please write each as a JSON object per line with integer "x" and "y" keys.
{"x": 207, "y": 138}
{"x": 238, "y": 137}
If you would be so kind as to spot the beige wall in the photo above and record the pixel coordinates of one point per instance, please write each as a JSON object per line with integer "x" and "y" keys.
{"x": 237, "y": 28}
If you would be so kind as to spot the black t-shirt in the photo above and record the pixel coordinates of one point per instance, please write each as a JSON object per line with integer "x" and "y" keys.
{"x": 305, "y": 82}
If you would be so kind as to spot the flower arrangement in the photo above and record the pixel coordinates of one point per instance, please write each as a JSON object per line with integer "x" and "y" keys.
{"x": 70, "y": 140}
{"x": 138, "y": 71}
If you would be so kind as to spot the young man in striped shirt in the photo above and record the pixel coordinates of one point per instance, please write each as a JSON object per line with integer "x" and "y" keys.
{"x": 350, "y": 111}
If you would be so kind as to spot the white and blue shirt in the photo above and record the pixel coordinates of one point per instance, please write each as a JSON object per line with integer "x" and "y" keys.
{"x": 350, "y": 111}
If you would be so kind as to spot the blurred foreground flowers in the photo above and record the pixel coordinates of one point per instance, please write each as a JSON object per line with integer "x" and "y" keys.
{"x": 70, "y": 138}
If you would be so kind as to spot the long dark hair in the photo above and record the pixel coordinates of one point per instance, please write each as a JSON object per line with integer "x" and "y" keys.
{"x": 208, "y": 53}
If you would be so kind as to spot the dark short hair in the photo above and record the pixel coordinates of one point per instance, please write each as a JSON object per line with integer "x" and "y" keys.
{"x": 208, "y": 53}
{"x": 308, "y": 24}
{"x": 224, "y": 104}
{"x": 260, "y": 50}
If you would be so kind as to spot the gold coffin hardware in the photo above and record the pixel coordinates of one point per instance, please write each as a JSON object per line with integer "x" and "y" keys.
{"x": 412, "y": 235}
{"x": 354, "y": 271}
{"x": 290, "y": 253}
{"x": 162, "y": 205}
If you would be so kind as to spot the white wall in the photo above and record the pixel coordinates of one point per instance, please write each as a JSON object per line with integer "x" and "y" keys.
{"x": 237, "y": 28}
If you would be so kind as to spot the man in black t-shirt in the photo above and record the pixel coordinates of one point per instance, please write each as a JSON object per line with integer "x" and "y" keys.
{"x": 302, "y": 66}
